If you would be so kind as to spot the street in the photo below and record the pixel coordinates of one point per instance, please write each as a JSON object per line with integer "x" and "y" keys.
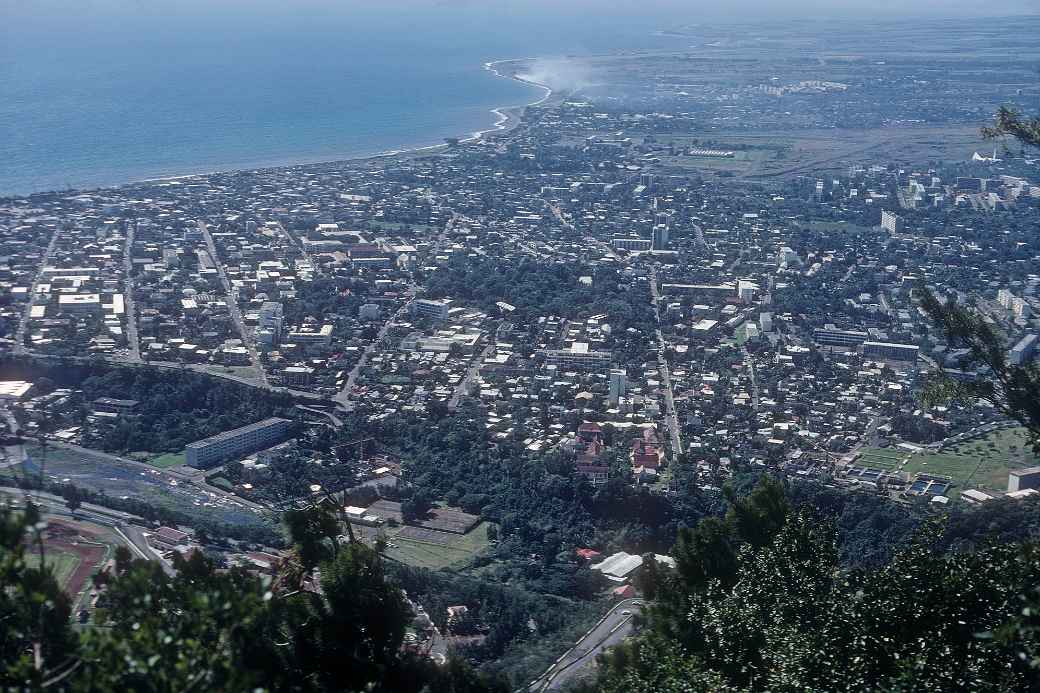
{"x": 232, "y": 304}
{"x": 670, "y": 417}
{"x": 612, "y": 629}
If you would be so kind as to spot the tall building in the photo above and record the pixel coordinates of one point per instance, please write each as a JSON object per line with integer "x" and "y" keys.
{"x": 1023, "y": 352}
{"x": 786, "y": 257}
{"x": 890, "y": 352}
{"x": 891, "y": 222}
{"x": 618, "y": 384}
{"x": 269, "y": 323}
{"x": 660, "y": 237}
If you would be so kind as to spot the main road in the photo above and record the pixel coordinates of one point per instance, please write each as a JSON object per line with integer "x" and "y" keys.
{"x": 670, "y": 417}
{"x": 132, "y": 341}
{"x": 23, "y": 323}
{"x": 232, "y": 302}
{"x": 611, "y": 630}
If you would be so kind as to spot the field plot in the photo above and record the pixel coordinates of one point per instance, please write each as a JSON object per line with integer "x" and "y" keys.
{"x": 74, "y": 551}
{"x": 170, "y": 459}
{"x": 886, "y": 459}
{"x": 428, "y": 548}
{"x": 980, "y": 463}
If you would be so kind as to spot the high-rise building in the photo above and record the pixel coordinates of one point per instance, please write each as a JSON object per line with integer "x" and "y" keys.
{"x": 891, "y": 222}
{"x": 269, "y": 323}
{"x": 660, "y": 237}
{"x": 765, "y": 322}
{"x": 1023, "y": 352}
{"x": 618, "y": 383}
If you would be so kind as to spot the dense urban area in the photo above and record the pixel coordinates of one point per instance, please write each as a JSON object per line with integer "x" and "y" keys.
{"x": 520, "y": 367}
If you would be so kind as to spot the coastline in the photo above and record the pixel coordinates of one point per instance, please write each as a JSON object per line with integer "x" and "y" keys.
{"x": 506, "y": 118}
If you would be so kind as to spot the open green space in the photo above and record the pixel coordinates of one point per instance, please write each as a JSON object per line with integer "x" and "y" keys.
{"x": 979, "y": 463}
{"x": 982, "y": 462}
{"x": 436, "y": 556}
{"x": 62, "y": 563}
{"x": 170, "y": 459}
{"x": 888, "y": 459}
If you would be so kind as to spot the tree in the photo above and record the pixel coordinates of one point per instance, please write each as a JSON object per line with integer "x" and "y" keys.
{"x": 204, "y": 629}
{"x": 1011, "y": 122}
{"x": 72, "y": 498}
{"x": 35, "y": 639}
{"x": 793, "y": 619}
{"x": 1013, "y": 390}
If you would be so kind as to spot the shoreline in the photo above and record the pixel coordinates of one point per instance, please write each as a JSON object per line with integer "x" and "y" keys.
{"x": 506, "y": 118}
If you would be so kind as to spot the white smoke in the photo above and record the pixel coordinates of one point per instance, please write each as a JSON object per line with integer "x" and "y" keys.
{"x": 557, "y": 73}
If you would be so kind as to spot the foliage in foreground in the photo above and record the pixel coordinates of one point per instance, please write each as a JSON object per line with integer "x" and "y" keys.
{"x": 328, "y": 621}
{"x": 761, "y": 602}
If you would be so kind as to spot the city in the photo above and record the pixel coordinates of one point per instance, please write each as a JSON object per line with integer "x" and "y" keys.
{"x": 518, "y": 366}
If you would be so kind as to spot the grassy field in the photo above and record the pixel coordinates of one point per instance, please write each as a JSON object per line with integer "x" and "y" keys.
{"x": 979, "y": 463}
{"x": 61, "y": 563}
{"x": 888, "y": 459}
{"x": 170, "y": 459}
{"x": 458, "y": 550}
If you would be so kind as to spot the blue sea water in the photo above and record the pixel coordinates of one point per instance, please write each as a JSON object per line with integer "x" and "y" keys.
{"x": 103, "y": 92}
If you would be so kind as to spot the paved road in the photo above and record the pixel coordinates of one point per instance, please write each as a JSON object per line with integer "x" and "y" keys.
{"x": 615, "y": 626}
{"x": 750, "y": 363}
{"x": 232, "y": 302}
{"x": 344, "y": 394}
{"x": 23, "y": 323}
{"x": 471, "y": 374}
{"x": 132, "y": 341}
{"x": 670, "y": 418}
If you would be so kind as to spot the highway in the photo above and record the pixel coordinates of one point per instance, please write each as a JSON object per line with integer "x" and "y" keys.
{"x": 611, "y": 630}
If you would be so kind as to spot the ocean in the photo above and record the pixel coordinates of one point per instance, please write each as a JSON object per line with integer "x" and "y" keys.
{"x": 105, "y": 92}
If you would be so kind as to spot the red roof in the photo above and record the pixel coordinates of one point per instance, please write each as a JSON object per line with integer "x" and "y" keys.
{"x": 624, "y": 592}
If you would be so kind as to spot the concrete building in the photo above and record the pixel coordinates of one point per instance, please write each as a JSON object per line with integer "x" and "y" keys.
{"x": 631, "y": 243}
{"x": 890, "y": 352}
{"x": 832, "y": 336}
{"x": 432, "y": 308}
{"x": 1022, "y": 479}
{"x": 269, "y": 323}
{"x": 79, "y": 303}
{"x": 660, "y": 237}
{"x": 618, "y": 384}
{"x": 892, "y": 222}
{"x": 238, "y": 442}
{"x": 765, "y": 322}
{"x": 578, "y": 356}
{"x": 1023, "y": 352}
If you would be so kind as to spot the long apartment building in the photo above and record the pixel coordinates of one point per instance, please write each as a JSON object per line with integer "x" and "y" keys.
{"x": 238, "y": 442}
{"x": 579, "y": 356}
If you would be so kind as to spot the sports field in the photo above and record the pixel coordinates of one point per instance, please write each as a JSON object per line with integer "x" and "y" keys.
{"x": 978, "y": 463}
{"x": 427, "y": 548}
